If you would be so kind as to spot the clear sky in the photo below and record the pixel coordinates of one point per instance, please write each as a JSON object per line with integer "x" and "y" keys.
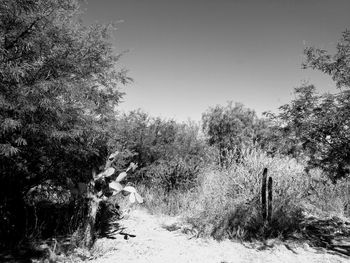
{"x": 188, "y": 55}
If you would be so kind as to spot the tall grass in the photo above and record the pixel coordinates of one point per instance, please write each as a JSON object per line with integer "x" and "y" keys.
{"x": 226, "y": 201}
{"x": 175, "y": 202}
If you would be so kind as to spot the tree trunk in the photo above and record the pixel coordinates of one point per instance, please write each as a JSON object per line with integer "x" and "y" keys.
{"x": 89, "y": 230}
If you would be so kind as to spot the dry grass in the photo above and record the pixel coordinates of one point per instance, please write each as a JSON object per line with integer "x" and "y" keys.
{"x": 229, "y": 199}
{"x": 176, "y": 202}
{"x": 226, "y": 202}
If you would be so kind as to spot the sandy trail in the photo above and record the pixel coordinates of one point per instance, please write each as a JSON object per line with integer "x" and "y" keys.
{"x": 155, "y": 244}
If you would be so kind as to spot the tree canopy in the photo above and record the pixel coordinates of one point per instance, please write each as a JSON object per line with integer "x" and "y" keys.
{"x": 317, "y": 126}
{"x": 59, "y": 81}
{"x": 231, "y": 128}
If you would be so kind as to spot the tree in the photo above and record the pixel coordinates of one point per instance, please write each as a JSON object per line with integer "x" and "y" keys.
{"x": 333, "y": 109}
{"x": 317, "y": 126}
{"x": 337, "y": 65}
{"x": 168, "y": 153}
{"x": 59, "y": 82}
{"x": 230, "y": 128}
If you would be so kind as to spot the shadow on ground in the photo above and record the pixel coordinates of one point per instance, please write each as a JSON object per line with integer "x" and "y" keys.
{"x": 331, "y": 234}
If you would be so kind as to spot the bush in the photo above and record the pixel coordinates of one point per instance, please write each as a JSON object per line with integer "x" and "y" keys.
{"x": 175, "y": 202}
{"x": 326, "y": 198}
{"x": 229, "y": 199}
{"x": 167, "y": 153}
{"x": 175, "y": 174}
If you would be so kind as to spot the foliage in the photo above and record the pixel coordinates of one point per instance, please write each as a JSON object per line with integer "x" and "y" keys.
{"x": 174, "y": 174}
{"x": 168, "y": 153}
{"x": 103, "y": 211}
{"x": 333, "y": 110}
{"x": 316, "y": 126}
{"x": 176, "y": 202}
{"x": 227, "y": 201}
{"x": 106, "y": 183}
{"x": 232, "y": 127}
{"x": 59, "y": 83}
{"x": 337, "y": 65}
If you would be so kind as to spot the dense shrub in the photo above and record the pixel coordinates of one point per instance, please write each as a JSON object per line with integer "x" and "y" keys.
{"x": 228, "y": 201}
{"x": 231, "y": 128}
{"x": 168, "y": 153}
{"x": 175, "y": 174}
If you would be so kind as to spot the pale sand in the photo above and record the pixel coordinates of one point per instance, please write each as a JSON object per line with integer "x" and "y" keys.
{"x": 155, "y": 244}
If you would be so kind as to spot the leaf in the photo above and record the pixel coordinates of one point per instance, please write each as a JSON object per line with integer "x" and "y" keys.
{"x": 132, "y": 166}
{"x": 108, "y": 172}
{"x": 121, "y": 176}
{"x": 115, "y": 186}
{"x": 100, "y": 175}
{"x": 9, "y": 125}
{"x": 132, "y": 198}
{"x": 139, "y": 198}
{"x": 8, "y": 150}
{"x": 130, "y": 189}
{"x": 113, "y": 155}
{"x": 21, "y": 142}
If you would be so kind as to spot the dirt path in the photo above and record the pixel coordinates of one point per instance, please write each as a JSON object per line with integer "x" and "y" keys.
{"x": 155, "y": 244}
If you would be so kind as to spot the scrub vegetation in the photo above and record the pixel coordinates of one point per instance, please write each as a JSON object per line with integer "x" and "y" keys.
{"x": 65, "y": 150}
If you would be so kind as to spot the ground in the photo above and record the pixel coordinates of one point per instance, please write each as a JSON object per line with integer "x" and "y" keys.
{"x": 154, "y": 242}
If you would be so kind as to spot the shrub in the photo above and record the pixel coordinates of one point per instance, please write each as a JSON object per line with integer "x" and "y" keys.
{"x": 175, "y": 202}
{"x": 167, "y": 153}
{"x": 229, "y": 199}
{"x": 326, "y": 198}
{"x": 174, "y": 174}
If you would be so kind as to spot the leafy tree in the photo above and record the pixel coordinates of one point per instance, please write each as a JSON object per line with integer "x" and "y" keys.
{"x": 333, "y": 110}
{"x": 337, "y": 65}
{"x": 230, "y": 128}
{"x": 183, "y": 156}
{"x": 317, "y": 126}
{"x": 59, "y": 82}
{"x": 158, "y": 145}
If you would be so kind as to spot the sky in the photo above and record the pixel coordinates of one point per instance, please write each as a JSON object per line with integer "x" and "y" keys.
{"x": 188, "y": 55}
